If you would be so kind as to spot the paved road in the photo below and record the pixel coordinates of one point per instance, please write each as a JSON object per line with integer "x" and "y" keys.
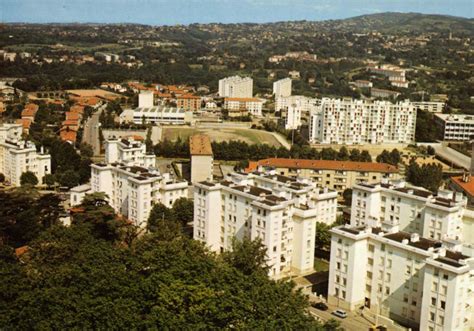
{"x": 91, "y": 131}
{"x": 451, "y": 155}
{"x": 352, "y": 323}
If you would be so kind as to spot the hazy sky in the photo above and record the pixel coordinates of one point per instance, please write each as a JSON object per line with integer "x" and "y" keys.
{"x": 166, "y": 12}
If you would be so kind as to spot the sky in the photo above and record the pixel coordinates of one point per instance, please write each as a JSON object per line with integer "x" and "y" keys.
{"x": 170, "y": 12}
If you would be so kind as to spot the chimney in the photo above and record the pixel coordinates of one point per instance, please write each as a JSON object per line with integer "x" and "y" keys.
{"x": 415, "y": 237}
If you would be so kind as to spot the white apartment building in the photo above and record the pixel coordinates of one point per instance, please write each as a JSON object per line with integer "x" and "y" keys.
{"x": 131, "y": 190}
{"x": 429, "y": 106}
{"x": 306, "y": 104}
{"x": 145, "y": 99}
{"x": 282, "y": 88}
{"x": 348, "y": 121}
{"x": 293, "y": 117}
{"x": 236, "y": 87}
{"x": 411, "y": 209}
{"x": 156, "y": 115}
{"x": 18, "y": 156}
{"x": 129, "y": 152}
{"x": 242, "y": 105}
{"x": 279, "y": 210}
{"x": 456, "y": 127}
{"x": 415, "y": 281}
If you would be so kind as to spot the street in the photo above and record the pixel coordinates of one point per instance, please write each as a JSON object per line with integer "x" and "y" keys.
{"x": 451, "y": 155}
{"x": 91, "y": 131}
{"x": 353, "y": 322}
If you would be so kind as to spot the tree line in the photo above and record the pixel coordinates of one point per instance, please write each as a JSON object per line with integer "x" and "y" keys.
{"x": 236, "y": 150}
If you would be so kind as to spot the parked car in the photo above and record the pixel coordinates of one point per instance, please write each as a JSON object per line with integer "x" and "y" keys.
{"x": 320, "y": 306}
{"x": 339, "y": 313}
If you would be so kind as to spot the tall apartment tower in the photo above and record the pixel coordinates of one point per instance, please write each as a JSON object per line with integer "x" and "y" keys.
{"x": 404, "y": 258}
{"x": 282, "y": 88}
{"x": 348, "y": 121}
{"x": 236, "y": 87}
{"x": 281, "y": 211}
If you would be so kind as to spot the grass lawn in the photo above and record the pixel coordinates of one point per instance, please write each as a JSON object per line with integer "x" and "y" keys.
{"x": 225, "y": 134}
{"x": 320, "y": 265}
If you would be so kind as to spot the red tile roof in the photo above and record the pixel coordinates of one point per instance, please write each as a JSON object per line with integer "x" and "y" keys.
{"x": 30, "y": 110}
{"x": 200, "y": 144}
{"x": 21, "y": 250}
{"x": 68, "y": 135}
{"x": 77, "y": 109}
{"x": 322, "y": 165}
{"x": 467, "y": 187}
{"x": 25, "y": 122}
{"x": 71, "y": 122}
{"x": 73, "y": 116}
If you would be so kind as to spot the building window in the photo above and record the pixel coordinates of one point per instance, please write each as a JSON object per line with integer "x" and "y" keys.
{"x": 443, "y": 304}
{"x": 433, "y": 301}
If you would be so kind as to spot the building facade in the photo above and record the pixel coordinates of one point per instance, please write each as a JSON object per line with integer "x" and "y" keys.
{"x": 132, "y": 191}
{"x": 335, "y": 175}
{"x": 306, "y": 104}
{"x": 236, "y": 87}
{"x": 456, "y": 127}
{"x": 252, "y": 106}
{"x": 128, "y": 151}
{"x": 18, "y": 156}
{"x": 280, "y": 211}
{"x": 412, "y": 209}
{"x": 415, "y": 281}
{"x": 282, "y": 88}
{"x": 202, "y": 160}
{"x": 429, "y": 106}
{"x": 348, "y": 121}
{"x": 156, "y": 115}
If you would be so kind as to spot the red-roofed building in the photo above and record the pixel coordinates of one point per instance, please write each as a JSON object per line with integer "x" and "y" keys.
{"x": 464, "y": 184}
{"x": 73, "y": 116}
{"x": 30, "y": 111}
{"x": 25, "y": 123}
{"x": 337, "y": 175}
{"x": 69, "y": 135}
{"x": 189, "y": 102}
{"x": 77, "y": 109}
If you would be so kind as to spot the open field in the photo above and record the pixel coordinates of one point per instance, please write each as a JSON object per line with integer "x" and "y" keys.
{"x": 223, "y": 134}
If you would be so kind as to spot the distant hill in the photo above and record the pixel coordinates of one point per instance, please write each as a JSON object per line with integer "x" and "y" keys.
{"x": 396, "y": 22}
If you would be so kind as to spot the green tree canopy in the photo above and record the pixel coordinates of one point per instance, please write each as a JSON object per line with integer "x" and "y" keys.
{"x": 28, "y": 178}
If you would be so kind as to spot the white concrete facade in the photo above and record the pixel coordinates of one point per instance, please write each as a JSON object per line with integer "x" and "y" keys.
{"x": 280, "y": 211}
{"x": 282, "y": 88}
{"x": 459, "y": 127}
{"x": 145, "y": 99}
{"x": 413, "y": 280}
{"x": 129, "y": 152}
{"x": 156, "y": 115}
{"x": 429, "y": 106}
{"x": 236, "y": 87}
{"x": 18, "y": 156}
{"x": 252, "y": 105}
{"x": 348, "y": 121}
{"x": 306, "y": 104}
{"x": 132, "y": 191}
{"x": 293, "y": 117}
{"x": 411, "y": 209}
